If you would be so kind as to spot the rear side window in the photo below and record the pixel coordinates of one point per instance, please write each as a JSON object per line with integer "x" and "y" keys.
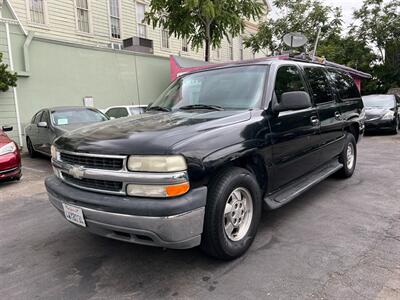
{"x": 36, "y": 119}
{"x": 117, "y": 112}
{"x": 344, "y": 85}
{"x": 320, "y": 85}
{"x": 45, "y": 116}
{"x": 288, "y": 79}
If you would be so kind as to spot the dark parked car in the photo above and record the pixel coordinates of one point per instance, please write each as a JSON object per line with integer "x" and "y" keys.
{"x": 382, "y": 113}
{"x": 10, "y": 158}
{"x": 208, "y": 154}
{"x": 50, "y": 123}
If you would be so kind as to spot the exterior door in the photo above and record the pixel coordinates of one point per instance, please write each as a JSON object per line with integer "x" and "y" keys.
{"x": 331, "y": 123}
{"x": 295, "y": 134}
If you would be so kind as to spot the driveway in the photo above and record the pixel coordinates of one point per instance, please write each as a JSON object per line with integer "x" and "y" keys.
{"x": 340, "y": 240}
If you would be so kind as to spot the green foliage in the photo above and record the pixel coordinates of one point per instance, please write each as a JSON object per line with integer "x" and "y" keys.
{"x": 7, "y": 79}
{"x": 304, "y": 16}
{"x": 372, "y": 44}
{"x": 203, "y": 21}
{"x": 377, "y": 23}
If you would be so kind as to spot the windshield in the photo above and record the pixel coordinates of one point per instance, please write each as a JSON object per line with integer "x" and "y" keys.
{"x": 379, "y": 101}
{"x": 75, "y": 116}
{"x": 229, "y": 88}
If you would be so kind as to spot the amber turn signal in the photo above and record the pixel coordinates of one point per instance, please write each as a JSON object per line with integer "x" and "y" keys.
{"x": 177, "y": 190}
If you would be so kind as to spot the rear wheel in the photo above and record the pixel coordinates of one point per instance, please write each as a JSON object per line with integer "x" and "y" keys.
{"x": 348, "y": 157}
{"x": 233, "y": 212}
{"x": 31, "y": 150}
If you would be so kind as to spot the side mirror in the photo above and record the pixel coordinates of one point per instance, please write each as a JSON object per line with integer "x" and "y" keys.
{"x": 7, "y": 128}
{"x": 293, "y": 101}
{"x": 42, "y": 125}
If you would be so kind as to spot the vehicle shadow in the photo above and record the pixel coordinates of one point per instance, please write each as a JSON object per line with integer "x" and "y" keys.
{"x": 157, "y": 273}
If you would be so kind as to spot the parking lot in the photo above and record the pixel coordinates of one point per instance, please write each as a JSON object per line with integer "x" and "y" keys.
{"x": 340, "y": 240}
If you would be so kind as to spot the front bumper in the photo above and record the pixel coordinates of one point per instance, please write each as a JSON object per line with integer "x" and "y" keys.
{"x": 380, "y": 125}
{"x": 10, "y": 166}
{"x": 171, "y": 223}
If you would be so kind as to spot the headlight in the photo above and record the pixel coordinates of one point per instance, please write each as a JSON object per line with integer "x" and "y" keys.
{"x": 158, "y": 191}
{"x": 388, "y": 116}
{"x": 156, "y": 163}
{"x": 9, "y": 148}
{"x": 54, "y": 153}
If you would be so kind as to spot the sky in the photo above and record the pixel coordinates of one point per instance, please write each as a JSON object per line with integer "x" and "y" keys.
{"x": 347, "y": 6}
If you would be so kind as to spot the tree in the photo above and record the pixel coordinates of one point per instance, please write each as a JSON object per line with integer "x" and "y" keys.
{"x": 304, "y": 16}
{"x": 378, "y": 23}
{"x": 7, "y": 79}
{"x": 203, "y": 21}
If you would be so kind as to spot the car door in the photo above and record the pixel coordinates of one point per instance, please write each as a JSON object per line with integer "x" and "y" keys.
{"x": 33, "y": 130}
{"x": 329, "y": 113}
{"x": 294, "y": 134}
{"x": 45, "y": 134}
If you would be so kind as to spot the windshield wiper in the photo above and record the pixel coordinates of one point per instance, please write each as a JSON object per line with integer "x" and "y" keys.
{"x": 159, "y": 108}
{"x": 201, "y": 106}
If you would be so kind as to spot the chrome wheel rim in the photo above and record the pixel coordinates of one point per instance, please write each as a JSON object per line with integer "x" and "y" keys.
{"x": 238, "y": 214}
{"x": 350, "y": 156}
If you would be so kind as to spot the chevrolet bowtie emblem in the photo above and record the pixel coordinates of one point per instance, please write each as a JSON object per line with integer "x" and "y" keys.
{"x": 77, "y": 172}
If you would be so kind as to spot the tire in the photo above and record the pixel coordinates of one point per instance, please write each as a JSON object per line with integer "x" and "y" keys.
{"x": 215, "y": 239}
{"x": 395, "y": 129}
{"x": 31, "y": 150}
{"x": 344, "y": 157}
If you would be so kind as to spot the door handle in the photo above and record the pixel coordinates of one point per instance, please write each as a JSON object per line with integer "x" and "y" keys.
{"x": 314, "y": 121}
{"x": 338, "y": 115}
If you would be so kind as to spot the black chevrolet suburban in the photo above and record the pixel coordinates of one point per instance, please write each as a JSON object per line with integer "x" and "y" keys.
{"x": 209, "y": 154}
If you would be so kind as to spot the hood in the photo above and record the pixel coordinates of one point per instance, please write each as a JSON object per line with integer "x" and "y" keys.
{"x": 149, "y": 133}
{"x": 375, "y": 111}
{"x": 4, "y": 139}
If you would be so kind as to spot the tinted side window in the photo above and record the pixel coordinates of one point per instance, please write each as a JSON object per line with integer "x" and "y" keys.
{"x": 320, "y": 85}
{"x": 45, "y": 116}
{"x": 37, "y": 117}
{"x": 344, "y": 84}
{"x": 288, "y": 79}
{"x": 117, "y": 112}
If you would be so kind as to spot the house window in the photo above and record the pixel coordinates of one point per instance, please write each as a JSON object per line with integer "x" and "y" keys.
{"x": 185, "y": 45}
{"x": 115, "y": 21}
{"x": 164, "y": 38}
{"x": 230, "y": 41}
{"x": 140, "y": 11}
{"x": 37, "y": 11}
{"x": 241, "y": 48}
{"x": 82, "y": 13}
{"x": 217, "y": 53}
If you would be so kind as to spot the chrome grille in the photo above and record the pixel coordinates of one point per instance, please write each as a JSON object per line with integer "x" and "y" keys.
{"x": 106, "y": 185}
{"x": 93, "y": 162}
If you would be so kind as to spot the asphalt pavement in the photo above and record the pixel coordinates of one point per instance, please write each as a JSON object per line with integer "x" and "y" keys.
{"x": 340, "y": 240}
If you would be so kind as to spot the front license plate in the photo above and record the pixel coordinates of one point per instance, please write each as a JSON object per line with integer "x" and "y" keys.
{"x": 74, "y": 214}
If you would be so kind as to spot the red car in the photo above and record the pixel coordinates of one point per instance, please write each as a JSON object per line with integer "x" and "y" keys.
{"x": 10, "y": 158}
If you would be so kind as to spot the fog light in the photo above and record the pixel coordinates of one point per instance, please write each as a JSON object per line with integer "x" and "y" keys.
{"x": 157, "y": 191}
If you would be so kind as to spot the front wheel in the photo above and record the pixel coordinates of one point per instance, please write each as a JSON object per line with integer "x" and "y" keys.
{"x": 31, "y": 150}
{"x": 348, "y": 157}
{"x": 233, "y": 212}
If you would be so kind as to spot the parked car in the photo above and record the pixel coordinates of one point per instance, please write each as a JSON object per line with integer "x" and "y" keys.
{"x": 115, "y": 112}
{"x": 50, "y": 123}
{"x": 382, "y": 113}
{"x": 10, "y": 158}
{"x": 208, "y": 154}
